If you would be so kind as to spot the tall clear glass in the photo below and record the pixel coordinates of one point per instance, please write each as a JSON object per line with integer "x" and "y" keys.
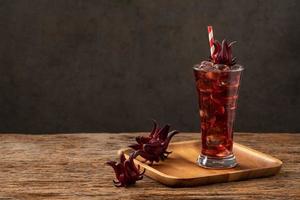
{"x": 218, "y": 95}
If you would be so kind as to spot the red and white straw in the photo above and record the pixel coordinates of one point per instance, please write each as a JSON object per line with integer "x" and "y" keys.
{"x": 211, "y": 40}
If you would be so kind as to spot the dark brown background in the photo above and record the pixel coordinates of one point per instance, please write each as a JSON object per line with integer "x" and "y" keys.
{"x": 95, "y": 65}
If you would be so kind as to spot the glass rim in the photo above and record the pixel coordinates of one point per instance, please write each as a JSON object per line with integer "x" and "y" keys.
{"x": 241, "y": 68}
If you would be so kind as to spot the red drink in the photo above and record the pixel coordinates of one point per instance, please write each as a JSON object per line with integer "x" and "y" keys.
{"x": 217, "y": 87}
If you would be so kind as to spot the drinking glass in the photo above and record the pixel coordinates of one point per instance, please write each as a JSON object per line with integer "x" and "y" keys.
{"x": 217, "y": 95}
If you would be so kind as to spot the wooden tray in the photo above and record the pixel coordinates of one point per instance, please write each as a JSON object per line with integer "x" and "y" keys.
{"x": 181, "y": 170}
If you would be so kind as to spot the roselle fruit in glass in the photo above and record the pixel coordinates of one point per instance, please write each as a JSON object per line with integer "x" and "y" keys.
{"x": 217, "y": 83}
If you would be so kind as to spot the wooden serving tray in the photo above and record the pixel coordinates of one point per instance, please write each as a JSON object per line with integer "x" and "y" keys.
{"x": 180, "y": 168}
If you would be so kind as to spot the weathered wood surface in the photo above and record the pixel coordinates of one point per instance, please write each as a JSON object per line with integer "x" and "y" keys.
{"x": 71, "y": 166}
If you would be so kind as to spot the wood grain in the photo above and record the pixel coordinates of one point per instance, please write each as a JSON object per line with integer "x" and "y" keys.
{"x": 71, "y": 166}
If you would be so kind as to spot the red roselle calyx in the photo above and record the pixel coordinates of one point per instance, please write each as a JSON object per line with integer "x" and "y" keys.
{"x": 126, "y": 171}
{"x": 153, "y": 147}
{"x": 223, "y": 53}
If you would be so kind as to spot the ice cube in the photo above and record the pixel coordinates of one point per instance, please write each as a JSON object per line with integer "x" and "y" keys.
{"x": 222, "y": 67}
{"x": 215, "y": 140}
{"x": 204, "y": 86}
{"x": 201, "y": 113}
{"x": 206, "y": 64}
{"x": 212, "y": 75}
{"x": 236, "y": 67}
{"x": 223, "y": 151}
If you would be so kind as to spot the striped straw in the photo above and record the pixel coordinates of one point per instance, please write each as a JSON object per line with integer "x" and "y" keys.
{"x": 211, "y": 40}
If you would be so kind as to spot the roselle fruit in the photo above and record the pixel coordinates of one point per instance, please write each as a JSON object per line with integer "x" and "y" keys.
{"x": 153, "y": 147}
{"x": 126, "y": 171}
{"x": 223, "y": 53}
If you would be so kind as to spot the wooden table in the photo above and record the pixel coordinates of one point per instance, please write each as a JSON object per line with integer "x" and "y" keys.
{"x": 71, "y": 166}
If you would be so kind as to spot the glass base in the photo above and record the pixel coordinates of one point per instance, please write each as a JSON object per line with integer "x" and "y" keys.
{"x": 217, "y": 163}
